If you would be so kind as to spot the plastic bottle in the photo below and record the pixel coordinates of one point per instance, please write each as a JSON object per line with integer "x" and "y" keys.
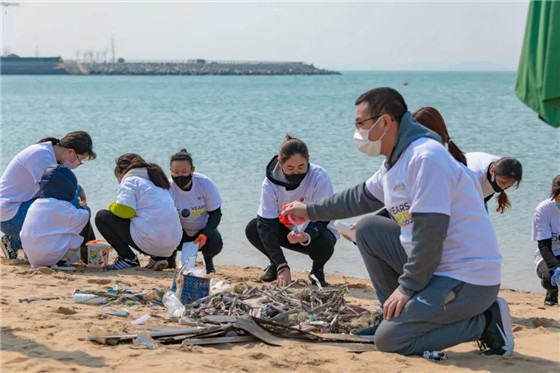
{"x": 173, "y": 304}
{"x": 89, "y": 298}
{"x": 344, "y": 228}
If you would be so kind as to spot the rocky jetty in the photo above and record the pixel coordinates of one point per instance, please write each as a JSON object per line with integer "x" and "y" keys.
{"x": 196, "y": 67}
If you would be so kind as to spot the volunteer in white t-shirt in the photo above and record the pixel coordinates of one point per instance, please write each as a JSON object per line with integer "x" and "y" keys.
{"x": 19, "y": 185}
{"x": 435, "y": 265}
{"x": 53, "y": 230}
{"x": 495, "y": 175}
{"x": 290, "y": 176}
{"x": 143, "y": 216}
{"x": 198, "y": 204}
{"x": 546, "y": 231}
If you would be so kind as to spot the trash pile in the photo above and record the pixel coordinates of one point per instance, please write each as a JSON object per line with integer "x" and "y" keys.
{"x": 243, "y": 313}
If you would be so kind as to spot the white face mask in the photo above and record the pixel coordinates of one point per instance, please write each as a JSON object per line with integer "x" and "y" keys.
{"x": 72, "y": 165}
{"x": 362, "y": 142}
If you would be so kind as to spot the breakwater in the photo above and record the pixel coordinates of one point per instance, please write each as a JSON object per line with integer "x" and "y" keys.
{"x": 197, "y": 67}
{"x": 55, "y": 65}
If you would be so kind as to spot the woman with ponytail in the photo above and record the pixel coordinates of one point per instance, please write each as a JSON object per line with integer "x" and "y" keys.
{"x": 142, "y": 217}
{"x": 493, "y": 174}
{"x": 431, "y": 118}
{"x": 19, "y": 185}
{"x": 198, "y": 203}
{"x": 291, "y": 177}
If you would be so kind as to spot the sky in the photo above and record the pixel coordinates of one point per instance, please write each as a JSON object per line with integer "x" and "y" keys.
{"x": 333, "y": 35}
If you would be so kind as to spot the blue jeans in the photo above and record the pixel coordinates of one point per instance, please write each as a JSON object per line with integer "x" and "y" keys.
{"x": 13, "y": 226}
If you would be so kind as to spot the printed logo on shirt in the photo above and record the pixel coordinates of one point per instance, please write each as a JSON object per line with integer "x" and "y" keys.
{"x": 398, "y": 187}
{"x": 303, "y": 199}
{"x": 198, "y": 210}
{"x": 401, "y": 214}
{"x": 184, "y": 213}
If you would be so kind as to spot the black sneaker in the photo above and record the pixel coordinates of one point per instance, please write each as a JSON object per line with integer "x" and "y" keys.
{"x": 368, "y": 332}
{"x": 320, "y": 275}
{"x": 172, "y": 260}
{"x": 157, "y": 264}
{"x": 270, "y": 274}
{"x": 551, "y": 298}
{"x": 6, "y": 246}
{"x": 497, "y": 338}
{"x": 63, "y": 265}
{"x": 209, "y": 264}
{"x": 122, "y": 263}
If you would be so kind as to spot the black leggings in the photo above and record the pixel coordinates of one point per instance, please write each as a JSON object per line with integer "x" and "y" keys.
{"x": 545, "y": 274}
{"x": 117, "y": 233}
{"x": 319, "y": 250}
{"x": 88, "y": 234}
{"x": 213, "y": 246}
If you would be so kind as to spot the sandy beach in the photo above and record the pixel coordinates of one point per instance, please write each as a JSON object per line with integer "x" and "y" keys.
{"x": 48, "y": 335}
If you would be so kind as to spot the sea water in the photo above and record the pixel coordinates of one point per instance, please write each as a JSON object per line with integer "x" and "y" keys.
{"x": 233, "y": 125}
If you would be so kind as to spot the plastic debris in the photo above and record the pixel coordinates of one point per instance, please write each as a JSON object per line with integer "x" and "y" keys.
{"x": 141, "y": 319}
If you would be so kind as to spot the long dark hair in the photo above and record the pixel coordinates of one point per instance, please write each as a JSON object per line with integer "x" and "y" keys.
{"x": 182, "y": 155}
{"x": 431, "y": 118}
{"x": 292, "y": 146}
{"x": 80, "y": 141}
{"x": 510, "y": 168}
{"x": 129, "y": 161}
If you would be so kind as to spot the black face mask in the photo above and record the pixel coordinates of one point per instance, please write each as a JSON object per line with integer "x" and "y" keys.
{"x": 182, "y": 181}
{"x": 295, "y": 179}
{"x": 493, "y": 183}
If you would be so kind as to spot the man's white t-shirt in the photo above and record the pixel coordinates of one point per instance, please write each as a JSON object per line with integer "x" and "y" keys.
{"x": 316, "y": 185}
{"x": 20, "y": 180}
{"x": 50, "y": 229}
{"x": 155, "y": 228}
{"x": 193, "y": 205}
{"x": 546, "y": 224}
{"x": 479, "y": 162}
{"x": 426, "y": 179}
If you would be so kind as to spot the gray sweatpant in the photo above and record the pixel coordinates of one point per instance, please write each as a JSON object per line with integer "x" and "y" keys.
{"x": 426, "y": 322}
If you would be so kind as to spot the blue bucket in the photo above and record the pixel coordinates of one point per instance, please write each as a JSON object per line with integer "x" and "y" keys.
{"x": 190, "y": 288}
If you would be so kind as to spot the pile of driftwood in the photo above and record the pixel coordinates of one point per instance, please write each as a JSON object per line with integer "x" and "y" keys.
{"x": 269, "y": 314}
{"x": 298, "y": 305}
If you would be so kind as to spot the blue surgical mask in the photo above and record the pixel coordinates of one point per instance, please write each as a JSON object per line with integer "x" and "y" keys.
{"x": 558, "y": 205}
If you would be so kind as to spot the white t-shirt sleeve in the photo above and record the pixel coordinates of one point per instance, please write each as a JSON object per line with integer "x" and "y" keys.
{"x": 375, "y": 186}
{"x": 323, "y": 187}
{"x": 36, "y": 165}
{"x": 127, "y": 194}
{"x": 542, "y": 230}
{"x": 213, "y": 198}
{"x": 268, "y": 208}
{"x": 430, "y": 186}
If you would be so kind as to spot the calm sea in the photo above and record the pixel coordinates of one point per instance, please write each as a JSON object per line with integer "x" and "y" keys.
{"x": 234, "y": 125}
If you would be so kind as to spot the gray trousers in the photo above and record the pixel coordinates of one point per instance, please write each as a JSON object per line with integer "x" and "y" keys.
{"x": 426, "y": 321}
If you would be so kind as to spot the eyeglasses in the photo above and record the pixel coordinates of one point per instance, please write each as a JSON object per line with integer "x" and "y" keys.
{"x": 360, "y": 123}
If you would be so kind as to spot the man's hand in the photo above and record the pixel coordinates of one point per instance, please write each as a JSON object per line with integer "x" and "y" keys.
{"x": 201, "y": 241}
{"x": 294, "y": 238}
{"x": 284, "y": 277}
{"x": 295, "y": 209}
{"x": 394, "y": 304}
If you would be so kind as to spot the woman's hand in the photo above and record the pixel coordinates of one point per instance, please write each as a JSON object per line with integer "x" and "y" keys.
{"x": 83, "y": 199}
{"x": 284, "y": 277}
{"x": 201, "y": 241}
{"x": 295, "y": 238}
{"x": 296, "y": 209}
